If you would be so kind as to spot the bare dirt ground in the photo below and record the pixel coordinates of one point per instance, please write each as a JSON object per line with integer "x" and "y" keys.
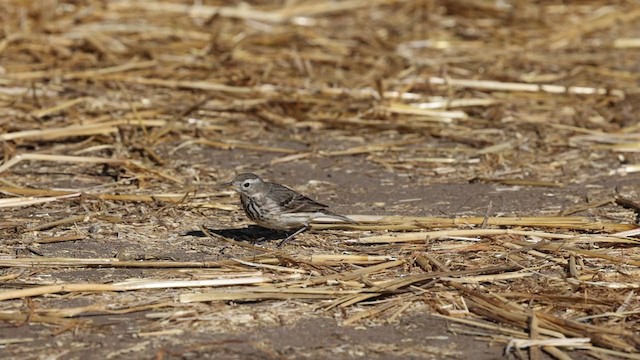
{"x": 489, "y": 149}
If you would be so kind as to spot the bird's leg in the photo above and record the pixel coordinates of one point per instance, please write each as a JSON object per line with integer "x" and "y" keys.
{"x": 305, "y": 228}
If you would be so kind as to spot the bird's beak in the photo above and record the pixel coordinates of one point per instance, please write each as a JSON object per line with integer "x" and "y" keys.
{"x": 225, "y": 185}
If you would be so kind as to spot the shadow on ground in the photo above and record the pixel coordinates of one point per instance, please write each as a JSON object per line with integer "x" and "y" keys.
{"x": 253, "y": 234}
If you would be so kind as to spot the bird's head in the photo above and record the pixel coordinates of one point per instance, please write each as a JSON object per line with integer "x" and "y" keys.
{"x": 246, "y": 183}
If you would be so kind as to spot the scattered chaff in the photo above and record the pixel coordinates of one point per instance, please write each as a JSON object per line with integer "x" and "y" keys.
{"x": 508, "y": 86}
{"x": 265, "y": 293}
{"x": 395, "y": 223}
{"x": 53, "y": 195}
{"x": 28, "y": 201}
{"x": 100, "y": 128}
{"x": 511, "y": 313}
{"x": 229, "y": 145}
{"x": 21, "y": 318}
{"x": 69, "y": 220}
{"x": 271, "y": 267}
{"x": 55, "y": 239}
{"x": 376, "y": 310}
{"x": 8, "y": 341}
{"x": 585, "y": 207}
{"x": 431, "y": 115}
{"x": 426, "y": 236}
{"x": 116, "y": 263}
{"x": 365, "y": 149}
{"x": 132, "y": 164}
{"x": 580, "y": 343}
{"x": 38, "y": 75}
{"x": 68, "y": 104}
{"x": 289, "y": 13}
{"x": 337, "y": 259}
{"x": 520, "y": 182}
{"x": 128, "y": 286}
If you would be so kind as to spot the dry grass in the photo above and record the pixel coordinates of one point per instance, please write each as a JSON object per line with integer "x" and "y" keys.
{"x": 109, "y": 112}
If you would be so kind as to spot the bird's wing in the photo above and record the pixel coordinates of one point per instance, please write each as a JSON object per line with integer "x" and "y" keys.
{"x": 292, "y": 201}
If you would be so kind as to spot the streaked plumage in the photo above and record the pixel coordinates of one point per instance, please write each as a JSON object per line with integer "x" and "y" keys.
{"x": 275, "y": 206}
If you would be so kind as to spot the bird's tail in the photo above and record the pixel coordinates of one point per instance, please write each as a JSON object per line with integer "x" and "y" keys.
{"x": 331, "y": 215}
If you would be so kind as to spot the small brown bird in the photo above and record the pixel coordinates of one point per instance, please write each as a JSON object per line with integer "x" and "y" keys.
{"x": 275, "y": 206}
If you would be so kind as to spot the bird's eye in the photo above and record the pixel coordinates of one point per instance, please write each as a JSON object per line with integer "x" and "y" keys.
{"x": 246, "y": 184}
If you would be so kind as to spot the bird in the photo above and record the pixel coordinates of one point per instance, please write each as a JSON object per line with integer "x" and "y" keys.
{"x": 275, "y": 206}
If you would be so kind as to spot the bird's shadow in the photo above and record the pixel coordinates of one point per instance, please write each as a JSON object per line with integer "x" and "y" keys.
{"x": 251, "y": 233}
